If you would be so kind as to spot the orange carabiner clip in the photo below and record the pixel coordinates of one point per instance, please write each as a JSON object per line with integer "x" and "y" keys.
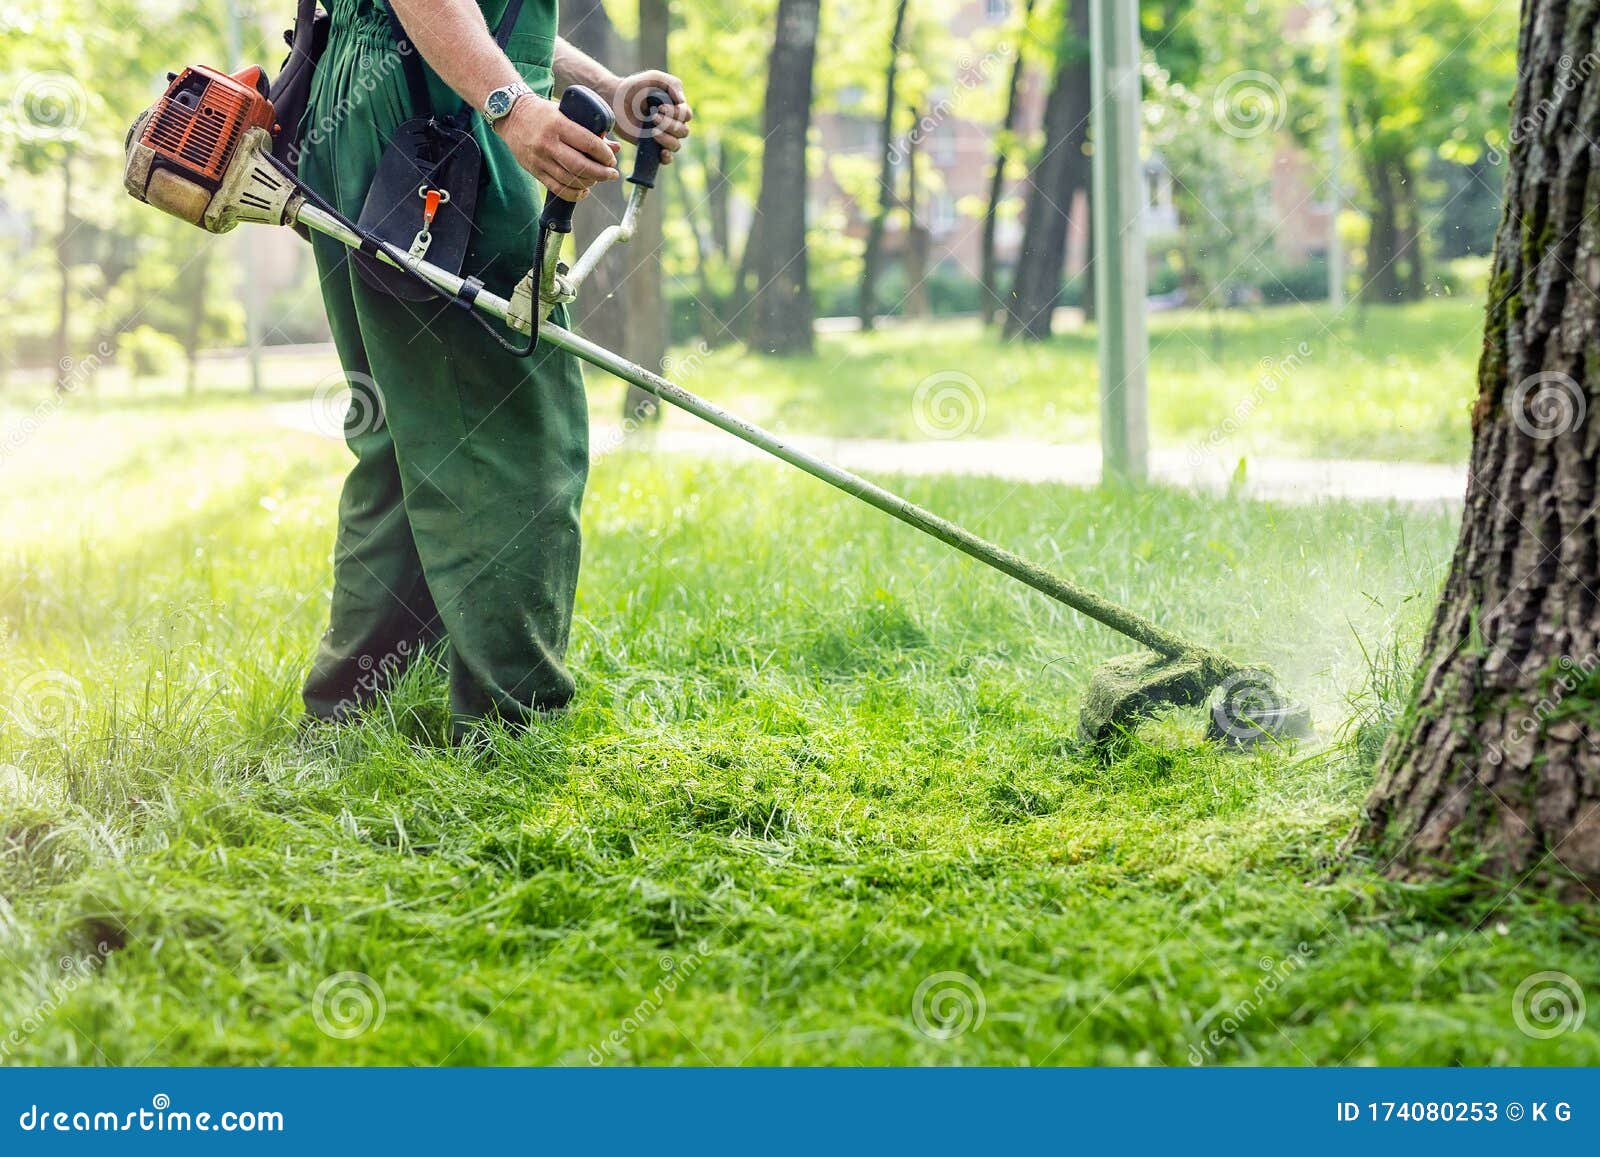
{"x": 431, "y": 200}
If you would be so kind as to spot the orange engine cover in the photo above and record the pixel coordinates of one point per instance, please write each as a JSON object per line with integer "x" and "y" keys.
{"x": 196, "y": 125}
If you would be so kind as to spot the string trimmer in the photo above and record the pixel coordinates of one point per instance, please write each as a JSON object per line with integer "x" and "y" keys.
{"x": 203, "y": 153}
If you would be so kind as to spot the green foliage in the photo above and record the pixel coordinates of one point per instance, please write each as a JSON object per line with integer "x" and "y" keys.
{"x": 125, "y": 263}
{"x": 148, "y": 352}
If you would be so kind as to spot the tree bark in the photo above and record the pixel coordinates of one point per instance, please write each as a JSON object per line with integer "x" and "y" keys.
{"x": 647, "y": 307}
{"x": 872, "y": 256}
{"x": 1410, "y": 247}
{"x": 1496, "y": 766}
{"x": 918, "y": 242}
{"x": 1060, "y": 170}
{"x": 988, "y": 298}
{"x": 781, "y": 312}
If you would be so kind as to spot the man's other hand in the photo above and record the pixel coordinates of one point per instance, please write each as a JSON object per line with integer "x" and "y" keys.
{"x": 567, "y": 159}
{"x": 672, "y": 120}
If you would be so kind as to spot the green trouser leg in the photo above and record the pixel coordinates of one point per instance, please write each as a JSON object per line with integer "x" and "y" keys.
{"x": 459, "y": 519}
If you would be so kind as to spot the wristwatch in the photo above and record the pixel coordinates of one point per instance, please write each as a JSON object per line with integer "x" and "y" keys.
{"x": 499, "y": 103}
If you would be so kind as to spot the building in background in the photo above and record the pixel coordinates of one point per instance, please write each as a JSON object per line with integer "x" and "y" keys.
{"x": 956, "y": 159}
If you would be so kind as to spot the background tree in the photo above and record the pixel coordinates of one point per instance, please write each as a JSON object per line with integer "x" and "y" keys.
{"x": 1417, "y": 89}
{"x": 1496, "y": 766}
{"x": 872, "y": 256}
{"x": 1059, "y": 173}
{"x": 1005, "y": 144}
{"x": 587, "y": 25}
{"x": 781, "y": 312}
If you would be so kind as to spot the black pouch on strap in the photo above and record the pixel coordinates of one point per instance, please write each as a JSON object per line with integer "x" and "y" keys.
{"x": 429, "y": 154}
{"x": 424, "y": 155}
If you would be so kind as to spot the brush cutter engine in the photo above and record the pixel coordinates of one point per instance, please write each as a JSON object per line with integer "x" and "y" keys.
{"x": 201, "y": 153}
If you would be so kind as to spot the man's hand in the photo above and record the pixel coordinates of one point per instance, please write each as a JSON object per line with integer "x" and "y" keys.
{"x": 567, "y": 159}
{"x": 672, "y": 120}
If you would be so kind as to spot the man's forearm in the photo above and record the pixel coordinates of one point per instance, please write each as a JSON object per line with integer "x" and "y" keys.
{"x": 574, "y": 66}
{"x": 452, "y": 37}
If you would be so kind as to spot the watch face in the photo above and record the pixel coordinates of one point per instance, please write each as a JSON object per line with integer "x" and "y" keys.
{"x": 498, "y": 104}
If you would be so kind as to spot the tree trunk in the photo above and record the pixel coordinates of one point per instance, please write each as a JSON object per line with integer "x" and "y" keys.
{"x": 1497, "y": 765}
{"x": 917, "y": 239}
{"x": 781, "y": 313}
{"x": 872, "y": 256}
{"x": 63, "y": 339}
{"x": 647, "y": 307}
{"x": 601, "y": 310}
{"x": 708, "y": 321}
{"x": 1410, "y": 247}
{"x": 717, "y": 200}
{"x": 989, "y": 298}
{"x": 1383, "y": 238}
{"x": 1059, "y": 172}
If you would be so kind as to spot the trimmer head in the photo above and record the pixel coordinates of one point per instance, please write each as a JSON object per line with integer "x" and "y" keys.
{"x": 1245, "y": 704}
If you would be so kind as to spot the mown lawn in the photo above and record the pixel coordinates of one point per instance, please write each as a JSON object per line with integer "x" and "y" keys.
{"x": 818, "y": 801}
{"x": 1368, "y": 383}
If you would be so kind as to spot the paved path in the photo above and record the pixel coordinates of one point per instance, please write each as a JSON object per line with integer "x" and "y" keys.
{"x": 1279, "y": 479}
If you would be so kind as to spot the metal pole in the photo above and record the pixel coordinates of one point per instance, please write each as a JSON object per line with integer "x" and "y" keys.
{"x": 1335, "y": 118}
{"x": 247, "y": 254}
{"x": 1119, "y": 204}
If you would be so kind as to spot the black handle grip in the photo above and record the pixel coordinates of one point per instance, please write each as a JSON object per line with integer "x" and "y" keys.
{"x": 583, "y": 107}
{"x": 647, "y": 158}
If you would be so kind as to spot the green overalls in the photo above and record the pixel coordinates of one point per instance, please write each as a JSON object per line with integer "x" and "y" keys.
{"x": 459, "y": 520}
